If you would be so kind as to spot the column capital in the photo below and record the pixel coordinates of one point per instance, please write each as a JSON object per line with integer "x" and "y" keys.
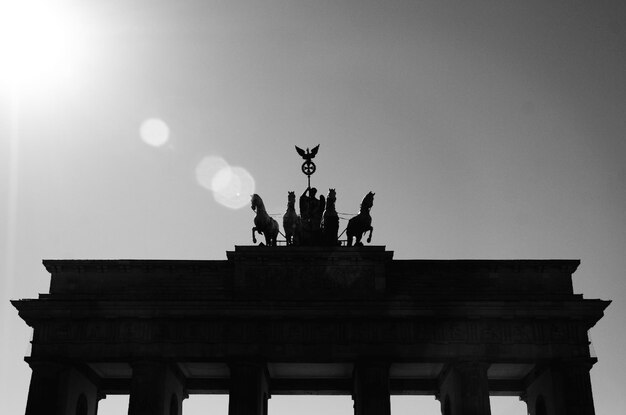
{"x": 471, "y": 365}
{"x": 247, "y": 361}
{"x": 154, "y": 384}
{"x": 56, "y": 386}
{"x": 47, "y": 364}
{"x": 563, "y": 387}
{"x": 464, "y": 388}
{"x": 585, "y": 363}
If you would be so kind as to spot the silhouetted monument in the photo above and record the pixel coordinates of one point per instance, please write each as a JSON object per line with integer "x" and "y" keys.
{"x": 321, "y": 318}
{"x": 291, "y": 320}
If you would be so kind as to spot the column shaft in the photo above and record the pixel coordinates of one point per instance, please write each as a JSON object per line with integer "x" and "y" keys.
{"x": 249, "y": 388}
{"x": 577, "y": 392}
{"x": 371, "y": 389}
{"x": 47, "y": 392}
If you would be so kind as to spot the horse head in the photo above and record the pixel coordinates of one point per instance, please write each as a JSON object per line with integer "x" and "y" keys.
{"x": 255, "y": 201}
{"x": 332, "y": 195}
{"x": 291, "y": 198}
{"x": 368, "y": 201}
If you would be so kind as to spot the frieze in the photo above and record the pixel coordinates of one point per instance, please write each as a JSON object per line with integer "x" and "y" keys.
{"x": 559, "y": 332}
{"x": 452, "y": 332}
{"x": 521, "y": 333}
{"x": 312, "y": 332}
{"x": 490, "y": 332}
{"x": 134, "y": 331}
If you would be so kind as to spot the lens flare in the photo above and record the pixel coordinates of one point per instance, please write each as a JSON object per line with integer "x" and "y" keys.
{"x": 154, "y": 132}
{"x": 223, "y": 179}
{"x": 236, "y": 192}
{"x": 231, "y": 186}
{"x": 207, "y": 169}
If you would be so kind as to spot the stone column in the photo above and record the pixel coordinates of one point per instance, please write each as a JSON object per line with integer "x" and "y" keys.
{"x": 464, "y": 390}
{"x": 563, "y": 388}
{"x": 577, "y": 394}
{"x": 371, "y": 388}
{"x": 249, "y": 388}
{"x": 47, "y": 394}
{"x": 155, "y": 389}
{"x": 59, "y": 389}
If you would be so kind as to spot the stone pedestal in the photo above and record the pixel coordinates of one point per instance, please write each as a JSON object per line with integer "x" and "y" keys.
{"x": 155, "y": 390}
{"x": 371, "y": 388}
{"x": 249, "y": 388}
{"x": 59, "y": 389}
{"x": 464, "y": 389}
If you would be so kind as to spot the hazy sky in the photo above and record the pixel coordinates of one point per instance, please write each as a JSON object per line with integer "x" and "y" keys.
{"x": 487, "y": 129}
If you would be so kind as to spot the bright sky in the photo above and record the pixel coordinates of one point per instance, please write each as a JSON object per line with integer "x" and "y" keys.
{"x": 487, "y": 129}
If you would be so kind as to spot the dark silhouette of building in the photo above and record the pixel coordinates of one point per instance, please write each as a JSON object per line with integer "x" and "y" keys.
{"x": 291, "y": 320}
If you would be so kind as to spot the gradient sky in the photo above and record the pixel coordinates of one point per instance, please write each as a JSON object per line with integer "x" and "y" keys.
{"x": 487, "y": 129}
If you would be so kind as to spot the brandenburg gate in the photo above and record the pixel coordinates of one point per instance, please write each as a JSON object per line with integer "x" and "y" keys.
{"x": 310, "y": 318}
{"x": 294, "y": 320}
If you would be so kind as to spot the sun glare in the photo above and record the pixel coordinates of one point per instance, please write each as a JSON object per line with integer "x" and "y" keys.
{"x": 39, "y": 43}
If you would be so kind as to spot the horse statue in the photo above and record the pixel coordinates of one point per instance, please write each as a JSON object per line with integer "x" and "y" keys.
{"x": 291, "y": 221}
{"x": 330, "y": 220}
{"x": 362, "y": 222}
{"x": 263, "y": 223}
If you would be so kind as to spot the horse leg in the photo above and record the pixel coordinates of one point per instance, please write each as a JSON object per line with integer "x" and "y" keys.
{"x": 275, "y": 232}
{"x": 253, "y": 235}
{"x": 291, "y": 238}
{"x": 369, "y": 239}
{"x": 357, "y": 238}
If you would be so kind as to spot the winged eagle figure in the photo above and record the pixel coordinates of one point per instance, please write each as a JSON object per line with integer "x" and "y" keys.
{"x": 308, "y": 155}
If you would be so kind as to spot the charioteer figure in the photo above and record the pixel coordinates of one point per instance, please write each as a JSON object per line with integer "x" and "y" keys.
{"x": 311, "y": 210}
{"x": 330, "y": 221}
